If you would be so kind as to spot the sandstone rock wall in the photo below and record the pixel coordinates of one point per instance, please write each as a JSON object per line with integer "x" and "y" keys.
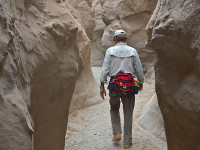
{"x": 174, "y": 32}
{"x": 97, "y": 53}
{"x": 86, "y": 89}
{"x": 130, "y": 15}
{"x": 152, "y": 120}
{"x": 41, "y": 43}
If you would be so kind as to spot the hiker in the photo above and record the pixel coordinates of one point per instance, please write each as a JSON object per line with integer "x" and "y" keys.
{"x": 122, "y": 64}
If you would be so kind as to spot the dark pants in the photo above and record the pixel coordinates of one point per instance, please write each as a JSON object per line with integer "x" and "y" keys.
{"x": 128, "y": 106}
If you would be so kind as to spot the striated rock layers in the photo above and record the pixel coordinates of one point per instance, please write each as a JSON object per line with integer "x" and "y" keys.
{"x": 174, "y": 32}
{"x": 40, "y": 47}
{"x": 130, "y": 15}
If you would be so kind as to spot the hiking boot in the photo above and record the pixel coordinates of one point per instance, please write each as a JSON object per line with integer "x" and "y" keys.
{"x": 116, "y": 137}
{"x": 128, "y": 146}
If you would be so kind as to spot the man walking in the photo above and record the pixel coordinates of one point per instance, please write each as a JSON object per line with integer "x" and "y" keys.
{"x": 122, "y": 64}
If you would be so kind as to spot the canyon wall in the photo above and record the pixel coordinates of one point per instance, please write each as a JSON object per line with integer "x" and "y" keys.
{"x": 174, "y": 33}
{"x": 151, "y": 118}
{"x": 45, "y": 51}
{"x": 45, "y": 48}
{"x": 131, "y": 16}
{"x": 86, "y": 90}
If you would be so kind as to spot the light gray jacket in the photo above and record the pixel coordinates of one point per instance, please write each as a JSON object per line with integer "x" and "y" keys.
{"x": 122, "y": 58}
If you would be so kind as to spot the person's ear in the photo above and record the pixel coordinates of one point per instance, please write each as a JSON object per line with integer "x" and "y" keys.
{"x": 115, "y": 39}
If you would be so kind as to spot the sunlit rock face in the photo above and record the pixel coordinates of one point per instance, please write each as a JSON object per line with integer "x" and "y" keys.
{"x": 131, "y": 16}
{"x": 174, "y": 32}
{"x": 44, "y": 49}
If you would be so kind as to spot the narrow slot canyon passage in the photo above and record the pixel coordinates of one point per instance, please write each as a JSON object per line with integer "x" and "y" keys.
{"x": 51, "y": 54}
{"x": 90, "y": 128}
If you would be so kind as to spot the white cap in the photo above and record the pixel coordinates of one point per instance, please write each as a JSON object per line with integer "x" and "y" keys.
{"x": 118, "y": 32}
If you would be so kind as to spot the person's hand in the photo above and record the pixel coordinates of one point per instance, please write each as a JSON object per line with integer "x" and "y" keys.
{"x": 102, "y": 92}
{"x": 140, "y": 86}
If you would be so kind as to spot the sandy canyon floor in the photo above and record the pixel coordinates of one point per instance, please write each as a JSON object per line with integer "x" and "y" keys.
{"x": 90, "y": 128}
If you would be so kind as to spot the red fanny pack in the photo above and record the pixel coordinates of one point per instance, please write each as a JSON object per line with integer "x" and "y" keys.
{"x": 123, "y": 82}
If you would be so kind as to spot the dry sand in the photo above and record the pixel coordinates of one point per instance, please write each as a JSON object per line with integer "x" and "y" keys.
{"x": 90, "y": 128}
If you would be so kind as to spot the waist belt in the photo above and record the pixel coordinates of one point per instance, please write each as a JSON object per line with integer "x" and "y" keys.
{"x": 123, "y": 83}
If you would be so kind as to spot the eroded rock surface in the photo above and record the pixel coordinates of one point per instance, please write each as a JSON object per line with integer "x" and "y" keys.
{"x": 130, "y": 15}
{"x": 86, "y": 90}
{"x": 41, "y": 44}
{"x": 152, "y": 120}
{"x": 97, "y": 53}
{"x": 174, "y": 32}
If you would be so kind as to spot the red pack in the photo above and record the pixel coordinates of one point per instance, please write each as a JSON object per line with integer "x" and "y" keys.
{"x": 123, "y": 82}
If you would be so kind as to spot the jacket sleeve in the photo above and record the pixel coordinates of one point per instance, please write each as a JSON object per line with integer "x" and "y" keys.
{"x": 138, "y": 68}
{"x": 105, "y": 67}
